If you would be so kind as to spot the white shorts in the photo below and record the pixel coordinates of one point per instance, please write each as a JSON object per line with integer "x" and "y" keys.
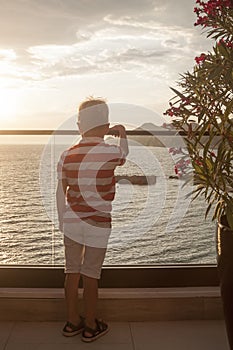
{"x": 88, "y": 232}
{"x": 82, "y": 259}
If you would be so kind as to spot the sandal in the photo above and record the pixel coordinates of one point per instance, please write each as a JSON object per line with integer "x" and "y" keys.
{"x": 100, "y": 329}
{"x": 73, "y": 329}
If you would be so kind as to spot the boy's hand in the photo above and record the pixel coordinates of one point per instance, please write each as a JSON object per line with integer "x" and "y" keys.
{"x": 117, "y": 130}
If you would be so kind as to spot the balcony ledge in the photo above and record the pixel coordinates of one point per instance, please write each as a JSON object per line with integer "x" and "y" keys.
{"x": 115, "y": 293}
{"x": 118, "y": 304}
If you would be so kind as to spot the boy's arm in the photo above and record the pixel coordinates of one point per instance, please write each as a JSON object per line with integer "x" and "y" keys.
{"x": 120, "y": 129}
{"x": 61, "y": 201}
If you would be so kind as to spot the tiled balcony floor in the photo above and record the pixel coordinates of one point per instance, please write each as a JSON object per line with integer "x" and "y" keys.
{"x": 175, "y": 335}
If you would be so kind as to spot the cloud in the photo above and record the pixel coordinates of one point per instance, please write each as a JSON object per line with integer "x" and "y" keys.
{"x": 55, "y": 52}
{"x": 7, "y": 55}
{"x": 56, "y": 38}
{"x": 108, "y": 50}
{"x": 105, "y": 52}
{"x": 27, "y": 23}
{"x": 38, "y": 22}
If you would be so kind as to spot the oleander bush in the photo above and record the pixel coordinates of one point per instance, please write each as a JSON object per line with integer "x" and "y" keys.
{"x": 202, "y": 107}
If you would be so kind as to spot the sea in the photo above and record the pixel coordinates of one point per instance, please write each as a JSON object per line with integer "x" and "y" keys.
{"x": 154, "y": 224}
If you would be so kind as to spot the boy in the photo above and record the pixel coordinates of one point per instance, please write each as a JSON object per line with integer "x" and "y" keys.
{"x": 86, "y": 188}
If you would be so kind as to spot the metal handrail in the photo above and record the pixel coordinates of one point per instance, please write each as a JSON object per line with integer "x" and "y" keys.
{"x": 76, "y": 132}
{"x": 138, "y": 132}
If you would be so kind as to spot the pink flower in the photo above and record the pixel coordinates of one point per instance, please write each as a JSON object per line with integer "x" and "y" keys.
{"x": 230, "y": 44}
{"x": 169, "y": 112}
{"x": 201, "y": 21}
{"x": 174, "y": 150}
{"x": 198, "y": 162}
{"x": 213, "y": 154}
{"x": 197, "y": 10}
{"x": 182, "y": 167}
{"x": 210, "y": 10}
{"x": 227, "y": 43}
{"x": 201, "y": 58}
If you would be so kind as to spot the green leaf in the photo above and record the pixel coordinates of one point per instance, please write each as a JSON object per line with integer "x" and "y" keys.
{"x": 198, "y": 169}
{"x": 207, "y": 210}
{"x": 229, "y": 214}
{"x": 215, "y": 73}
{"x": 206, "y": 147}
{"x": 178, "y": 93}
{"x": 229, "y": 76}
{"x": 198, "y": 193}
{"x": 218, "y": 210}
{"x": 223, "y": 51}
{"x": 229, "y": 109}
{"x": 209, "y": 164}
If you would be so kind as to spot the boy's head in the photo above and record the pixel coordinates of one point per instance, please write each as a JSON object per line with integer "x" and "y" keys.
{"x": 93, "y": 117}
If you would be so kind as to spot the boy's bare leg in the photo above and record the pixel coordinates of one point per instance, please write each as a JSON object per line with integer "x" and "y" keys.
{"x": 90, "y": 295}
{"x": 71, "y": 295}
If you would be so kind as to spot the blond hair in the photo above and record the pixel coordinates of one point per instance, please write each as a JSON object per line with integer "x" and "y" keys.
{"x": 90, "y": 102}
{"x": 93, "y": 113}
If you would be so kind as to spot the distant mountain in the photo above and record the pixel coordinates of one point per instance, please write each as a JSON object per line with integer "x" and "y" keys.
{"x": 147, "y": 140}
{"x": 149, "y": 127}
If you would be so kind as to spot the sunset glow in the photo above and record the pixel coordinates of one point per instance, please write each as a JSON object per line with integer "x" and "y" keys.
{"x": 8, "y": 105}
{"x": 55, "y": 54}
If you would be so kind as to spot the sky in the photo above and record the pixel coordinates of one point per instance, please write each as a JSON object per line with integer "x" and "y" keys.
{"x": 55, "y": 53}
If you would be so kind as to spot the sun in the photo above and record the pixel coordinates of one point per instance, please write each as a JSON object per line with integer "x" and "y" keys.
{"x": 8, "y": 105}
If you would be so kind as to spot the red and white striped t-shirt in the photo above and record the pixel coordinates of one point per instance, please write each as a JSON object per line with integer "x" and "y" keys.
{"x": 89, "y": 168}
